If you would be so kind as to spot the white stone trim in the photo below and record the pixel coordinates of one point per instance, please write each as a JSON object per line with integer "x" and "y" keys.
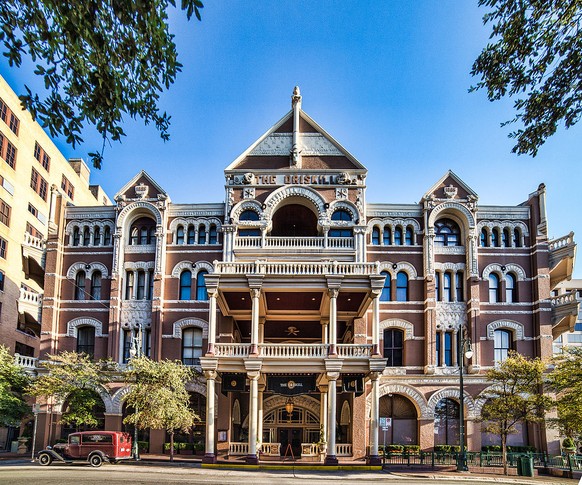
{"x": 75, "y": 323}
{"x": 81, "y": 266}
{"x": 509, "y": 268}
{"x": 415, "y": 396}
{"x": 282, "y": 193}
{"x": 137, "y": 265}
{"x": 408, "y": 268}
{"x": 401, "y": 324}
{"x": 181, "y": 266}
{"x": 454, "y": 267}
{"x": 245, "y": 205}
{"x": 103, "y": 394}
{"x": 453, "y": 393}
{"x": 189, "y": 322}
{"x": 349, "y": 207}
{"x": 516, "y": 328}
{"x": 135, "y": 206}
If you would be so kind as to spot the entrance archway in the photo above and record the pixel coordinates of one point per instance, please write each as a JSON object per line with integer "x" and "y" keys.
{"x": 294, "y": 220}
{"x": 403, "y": 420}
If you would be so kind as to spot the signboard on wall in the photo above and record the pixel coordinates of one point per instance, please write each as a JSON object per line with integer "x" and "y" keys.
{"x": 291, "y": 385}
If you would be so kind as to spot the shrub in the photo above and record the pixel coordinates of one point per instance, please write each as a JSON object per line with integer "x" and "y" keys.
{"x": 144, "y": 446}
{"x": 412, "y": 449}
{"x": 198, "y": 446}
{"x": 167, "y": 446}
{"x": 447, "y": 448}
{"x": 568, "y": 443}
{"x": 394, "y": 448}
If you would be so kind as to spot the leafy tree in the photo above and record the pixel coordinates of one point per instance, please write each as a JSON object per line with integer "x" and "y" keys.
{"x": 159, "y": 396}
{"x": 73, "y": 377}
{"x": 13, "y": 381}
{"x": 535, "y": 57}
{"x": 100, "y": 60}
{"x": 515, "y": 397}
{"x": 566, "y": 381}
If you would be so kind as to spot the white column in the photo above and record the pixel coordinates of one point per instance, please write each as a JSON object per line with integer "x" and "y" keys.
{"x": 134, "y": 296}
{"x": 260, "y": 416}
{"x": 323, "y": 411}
{"x": 374, "y": 417}
{"x": 333, "y": 293}
{"x": 211, "y": 320}
{"x": 255, "y": 294}
{"x": 253, "y": 408}
{"x": 331, "y": 458}
{"x": 209, "y": 456}
{"x": 376, "y": 326}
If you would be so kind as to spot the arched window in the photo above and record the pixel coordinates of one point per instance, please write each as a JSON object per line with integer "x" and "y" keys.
{"x": 96, "y": 235}
{"x": 447, "y": 233}
{"x": 385, "y": 295}
{"x": 201, "y": 293}
{"x": 134, "y": 236}
{"x": 409, "y": 237}
{"x": 393, "y": 346}
{"x": 341, "y": 215}
{"x": 86, "y": 236}
{"x": 86, "y": 340}
{"x": 129, "y": 285}
{"x": 510, "y": 288}
{"x": 96, "y": 285}
{"x": 494, "y": 296}
{"x": 506, "y": 238}
{"x": 248, "y": 215}
{"x": 107, "y": 236}
{"x": 401, "y": 286}
{"x": 180, "y": 235}
{"x": 516, "y": 238}
{"x": 185, "y": 285}
{"x": 387, "y": 236}
{"x": 495, "y": 237}
{"x": 202, "y": 235}
{"x": 191, "y": 346}
{"x": 76, "y": 236}
{"x": 398, "y": 236}
{"x": 212, "y": 235}
{"x": 404, "y": 423}
{"x": 502, "y": 344}
{"x": 459, "y": 286}
{"x": 191, "y": 234}
{"x": 446, "y": 422}
{"x": 140, "y": 285}
{"x": 375, "y": 236}
{"x": 80, "y": 285}
{"x": 484, "y": 242}
{"x": 447, "y": 291}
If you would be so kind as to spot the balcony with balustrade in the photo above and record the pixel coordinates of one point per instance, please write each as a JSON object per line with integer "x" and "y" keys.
{"x": 562, "y": 258}
{"x": 565, "y": 310}
{"x": 33, "y": 258}
{"x": 29, "y": 312}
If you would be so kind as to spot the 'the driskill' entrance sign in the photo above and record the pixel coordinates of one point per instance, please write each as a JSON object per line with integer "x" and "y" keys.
{"x": 291, "y": 385}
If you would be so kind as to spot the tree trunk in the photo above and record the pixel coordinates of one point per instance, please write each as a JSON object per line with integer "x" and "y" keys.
{"x": 504, "y": 452}
{"x": 171, "y": 446}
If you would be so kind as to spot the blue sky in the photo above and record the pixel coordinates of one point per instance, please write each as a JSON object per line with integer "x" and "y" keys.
{"x": 387, "y": 79}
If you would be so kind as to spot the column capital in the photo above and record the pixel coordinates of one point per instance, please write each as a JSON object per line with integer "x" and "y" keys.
{"x": 254, "y": 375}
{"x": 210, "y": 374}
{"x": 333, "y": 376}
{"x": 255, "y": 292}
{"x": 255, "y": 280}
{"x": 374, "y": 376}
{"x": 333, "y": 292}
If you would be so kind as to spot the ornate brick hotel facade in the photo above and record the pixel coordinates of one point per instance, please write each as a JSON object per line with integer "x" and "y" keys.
{"x": 311, "y": 312}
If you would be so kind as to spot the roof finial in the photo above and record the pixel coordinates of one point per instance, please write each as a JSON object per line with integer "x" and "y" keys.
{"x": 296, "y": 97}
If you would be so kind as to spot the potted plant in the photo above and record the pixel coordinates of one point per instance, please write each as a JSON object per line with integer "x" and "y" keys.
{"x": 322, "y": 443}
{"x": 568, "y": 445}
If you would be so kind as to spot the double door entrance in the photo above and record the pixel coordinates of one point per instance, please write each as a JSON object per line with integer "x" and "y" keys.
{"x": 290, "y": 439}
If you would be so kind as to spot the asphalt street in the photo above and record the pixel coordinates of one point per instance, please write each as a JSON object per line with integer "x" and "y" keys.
{"x": 27, "y": 474}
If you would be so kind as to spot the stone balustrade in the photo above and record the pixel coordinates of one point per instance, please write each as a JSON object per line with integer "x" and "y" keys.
{"x": 292, "y": 351}
{"x": 343, "y": 449}
{"x": 232, "y": 350}
{"x": 296, "y": 268}
{"x": 33, "y": 242}
{"x": 564, "y": 299}
{"x": 561, "y": 242}
{"x": 25, "y": 361}
{"x": 276, "y": 242}
{"x": 30, "y": 297}
{"x": 238, "y": 448}
{"x": 347, "y": 351}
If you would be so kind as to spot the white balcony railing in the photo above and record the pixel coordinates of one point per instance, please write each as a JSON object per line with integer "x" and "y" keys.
{"x": 292, "y": 351}
{"x": 343, "y": 449}
{"x": 309, "y": 243}
{"x": 296, "y": 268}
{"x": 238, "y": 448}
{"x": 25, "y": 361}
{"x": 561, "y": 242}
{"x": 33, "y": 242}
{"x": 30, "y": 297}
{"x": 564, "y": 299}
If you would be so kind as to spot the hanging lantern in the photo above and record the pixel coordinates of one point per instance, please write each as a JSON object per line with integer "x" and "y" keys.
{"x": 289, "y": 406}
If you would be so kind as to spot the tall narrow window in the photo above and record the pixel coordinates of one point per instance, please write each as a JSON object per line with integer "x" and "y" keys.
{"x": 3, "y": 248}
{"x": 401, "y": 286}
{"x": 151, "y": 284}
{"x": 393, "y": 346}
{"x": 387, "y": 236}
{"x": 447, "y": 291}
{"x": 5, "y": 211}
{"x": 484, "y": 242}
{"x": 506, "y": 238}
{"x": 495, "y": 237}
{"x": 201, "y": 293}
{"x": 516, "y": 238}
{"x": 510, "y": 288}
{"x": 212, "y": 235}
{"x": 76, "y": 236}
{"x": 86, "y": 341}
{"x": 96, "y": 235}
{"x": 107, "y": 236}
{"x": 147, "y": 338}
{"x": 448, "y": 350}
{"x": 185, "y": 285}
{"x": 143, "y": 235}
{"x": 385, "y": 295}
{"x": 438, "y": 352}
{"x": 96, "y": 285}
{"x": 86, "y": 236}
{"x": 202, "y": 235}
{"x": 180, "y": 235}
{"x": 502, "y": 344}
{"x": 375, "y": 236}
{"x": 134, "y": 237}
{"x": 191, "y": 234}
{"x": 152, "y": 235}
{"x": 129, "y": 285}
{"x": 446, "y": 422}
{"x": 80, "y": 285}
{"x": 437, "y": 285}
{"x": 126, "y": 345}
{"x": 493, "y": 288}
{"x": 409, "y": 236}
{"x": 459, "y": 286}
{"x": 140, "y": 285}
{"x": 191, "y": 346}
{"x": 398, "y": 236}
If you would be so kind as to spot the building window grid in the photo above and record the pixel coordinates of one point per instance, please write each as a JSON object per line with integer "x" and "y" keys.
{"x": 444, "y": 289}
{"x": 30, "y": 229}
{"x": 393, "y": 347}
{"x": 191, "y": 346}
{"x": 3, "y": 248}
{"x": 9, "y": 117}
{"x": 387, "y": 288}
{"x": 7, "y": 151}
{"x": 502, "y": 344}
{"x": 42, "y": 156}
{"x": 39, "y": 184}
{"x": 86, "y": 341}
{"x": 444, "y": 349}
{"x": 80, "y": 286}
{"x": 201, "y": 291}
{"x": 447, "y": 233}
{"x": 68, "y": 187}
{"x": 5, "y": 211}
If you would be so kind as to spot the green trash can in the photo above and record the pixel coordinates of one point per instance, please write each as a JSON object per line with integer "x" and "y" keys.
{"x": 519, "y": 467}
{"x": 527, "y": 467}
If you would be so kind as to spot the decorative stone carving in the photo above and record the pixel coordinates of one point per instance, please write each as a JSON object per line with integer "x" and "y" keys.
{"x": 75, "y": 323}
{"x": 452, "y": 393}
{"x": 249, "y": 193}
{"x": 517, "y": 328}
{"x": 398, "y": 323}
{"x": 281, "y": 144}
{"x": 341, "y": 193}
{"x": 450, "y": 191}
{"x": 450, "y": 316}
{"x": 415, "y": 396}
{"x": 504, "y": 269}
{"x": 135, "y": 313}
{"x": 295, "y": 191}
{"x": 190, "y": 322}
{"x": 141, "y": 191}
{"x": 89, "y": 269}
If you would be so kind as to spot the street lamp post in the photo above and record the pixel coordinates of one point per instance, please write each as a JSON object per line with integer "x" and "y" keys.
{"x": 464, "y": 349}
{"x": 136, "y": 351}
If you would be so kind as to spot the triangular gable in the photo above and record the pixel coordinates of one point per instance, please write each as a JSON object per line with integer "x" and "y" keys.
{"x": 446, "y": 186}
{"x": 319, "y": 150}
{"x": 142, "y": 186}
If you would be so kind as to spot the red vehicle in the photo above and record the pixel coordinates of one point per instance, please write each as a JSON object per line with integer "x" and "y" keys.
{"x": 95, "y": 447}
